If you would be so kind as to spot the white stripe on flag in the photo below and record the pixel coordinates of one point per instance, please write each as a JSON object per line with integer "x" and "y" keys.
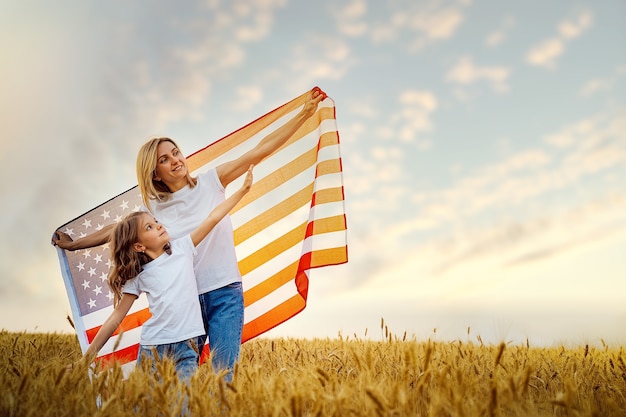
{"x": 275, "y": 298}
{"x": 126, "y": 339}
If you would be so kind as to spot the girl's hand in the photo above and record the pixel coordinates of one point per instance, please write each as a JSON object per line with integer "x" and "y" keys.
{"x": 247, "y": 183}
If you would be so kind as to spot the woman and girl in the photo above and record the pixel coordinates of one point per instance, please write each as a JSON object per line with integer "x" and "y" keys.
{"x": 145, "y": 259}
{"x": 180, "y": 202}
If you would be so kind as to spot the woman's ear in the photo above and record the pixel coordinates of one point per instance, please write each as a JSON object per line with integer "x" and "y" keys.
{"x": 155, "y": 176}
{"x": 139, "y": 247}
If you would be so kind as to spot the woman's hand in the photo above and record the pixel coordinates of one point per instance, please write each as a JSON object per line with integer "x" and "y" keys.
{"x": 62, "y": 240}
{"x": 316, "y": 95}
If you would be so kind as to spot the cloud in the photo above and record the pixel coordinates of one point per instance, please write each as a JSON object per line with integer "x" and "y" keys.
{"x": 349, "y": 19}
{"x": 414, "y": 115}
{"x": 465, "y": 72}
{"x": 436, "y": 24}
{"x": 573, "y": 28}
{"x": 318, "y": 58}
{"x": 422, "y": 23}
{"x": 535, "y": 204}
{"x": 247, "y": 21}
{"x": 513, "y": 243}
{"x": 545, "y": 53}
{"x": 247, "y": 97}
{"x": 594, "y": 86}
{"x": 600, "y": 84}
{"x": 499, "y": 35}
{"x": 364, "y": 108}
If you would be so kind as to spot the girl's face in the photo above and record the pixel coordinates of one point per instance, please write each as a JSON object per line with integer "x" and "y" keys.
{"x": 152, "y": 235}
{"x": 171, "y": 166}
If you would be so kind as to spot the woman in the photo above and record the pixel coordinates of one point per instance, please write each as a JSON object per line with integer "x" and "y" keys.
{"x": 178, "y": 200}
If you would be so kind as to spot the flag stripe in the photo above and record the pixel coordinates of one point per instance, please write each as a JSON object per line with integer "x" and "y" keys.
{"x": 123, "y": 355}
{"x": 286, "y": 172}
{"x": 289, "y": 240}
{"x": 277, "y": 315}
{"x": 121, "y": 341}
{"x": 268, "y": 285}
{"x": 328, "y": 195}
{"x": 274, "y": 214}
{"x": 276, "y": 298}
{"x": 131, "y": 321}
{"x": 272, "y": 249}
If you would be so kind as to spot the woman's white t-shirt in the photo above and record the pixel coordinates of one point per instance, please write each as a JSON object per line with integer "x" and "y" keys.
{"x": 216, "y": 262}
{"x": 170, "y": 287}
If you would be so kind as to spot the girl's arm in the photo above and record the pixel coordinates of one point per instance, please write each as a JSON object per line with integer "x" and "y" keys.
{"x": 231, "y": 170}
{"x": 97, "y": 238}
{"x": 221, "y": 210}
{"x": 109, "y": 326}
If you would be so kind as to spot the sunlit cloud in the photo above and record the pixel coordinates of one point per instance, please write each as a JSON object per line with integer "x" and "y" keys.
{"x": 602, "y": 84}
{"x": 319, "y": 58}
{"x": 350, "y": 19}
{"x": 505, "y": 189}
{"x": 545, "y": 53}
{"x": 499, "y": 35}
{"x": 423, "y": 23}
{"x": 414, "y": 116}
{"x": 574, "y": 27}
{"x": 594, "y": 86}
{"x": 249, "y": 21}
{"x": 247, "y": 97}
{"x": 363, "y": 108}
{"x": 465, "y": 72}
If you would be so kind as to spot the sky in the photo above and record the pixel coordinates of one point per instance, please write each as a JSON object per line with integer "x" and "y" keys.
{"x": 483, "y": 146}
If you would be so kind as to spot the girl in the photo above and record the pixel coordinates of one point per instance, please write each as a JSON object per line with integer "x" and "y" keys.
{"x": 145, "y": 260}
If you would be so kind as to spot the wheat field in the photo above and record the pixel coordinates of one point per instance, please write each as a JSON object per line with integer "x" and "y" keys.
{"x": 346, "y": 376}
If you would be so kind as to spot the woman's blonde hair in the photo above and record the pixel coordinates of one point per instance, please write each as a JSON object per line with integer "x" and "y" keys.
{"x": 127, "y": 262}
{"x": 150, "y": 188}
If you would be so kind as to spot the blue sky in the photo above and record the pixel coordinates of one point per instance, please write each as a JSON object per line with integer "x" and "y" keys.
{"x": 484, "y": 148}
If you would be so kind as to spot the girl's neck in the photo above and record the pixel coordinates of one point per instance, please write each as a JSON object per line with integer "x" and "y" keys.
{"x": 155, "y": 253}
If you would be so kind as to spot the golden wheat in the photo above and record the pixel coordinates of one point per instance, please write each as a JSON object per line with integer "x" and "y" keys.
{"x": 323, "y": 377}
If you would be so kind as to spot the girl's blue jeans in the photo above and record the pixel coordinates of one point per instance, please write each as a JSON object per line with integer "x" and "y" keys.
{"x": 183, "y": 354}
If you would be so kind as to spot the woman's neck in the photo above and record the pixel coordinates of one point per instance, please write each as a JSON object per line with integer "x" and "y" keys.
{"x": 177, "y": 185}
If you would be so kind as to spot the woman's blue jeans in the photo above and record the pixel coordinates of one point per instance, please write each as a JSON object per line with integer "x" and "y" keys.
{"x": 222, "y": 313}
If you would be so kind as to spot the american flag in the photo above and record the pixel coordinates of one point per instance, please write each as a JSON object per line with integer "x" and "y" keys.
{"x": 292, "y": 220}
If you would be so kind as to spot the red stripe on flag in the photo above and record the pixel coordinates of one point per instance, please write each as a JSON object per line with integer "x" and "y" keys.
{"x": 273, "y": 318}
{"x": 124, "y": 355}
{"x": 131, "y": 321}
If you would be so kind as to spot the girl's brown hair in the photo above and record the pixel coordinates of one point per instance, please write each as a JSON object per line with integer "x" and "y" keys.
{"x": 127, "y": 262}
{"x": 150, "y": 188}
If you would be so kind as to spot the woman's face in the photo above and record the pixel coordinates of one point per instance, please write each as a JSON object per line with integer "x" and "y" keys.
{"x": 171, "y": 166}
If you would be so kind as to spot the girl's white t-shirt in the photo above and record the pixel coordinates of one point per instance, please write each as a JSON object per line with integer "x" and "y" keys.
{"x": 170, "y": 287}
{"x": 216, "y": 262}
